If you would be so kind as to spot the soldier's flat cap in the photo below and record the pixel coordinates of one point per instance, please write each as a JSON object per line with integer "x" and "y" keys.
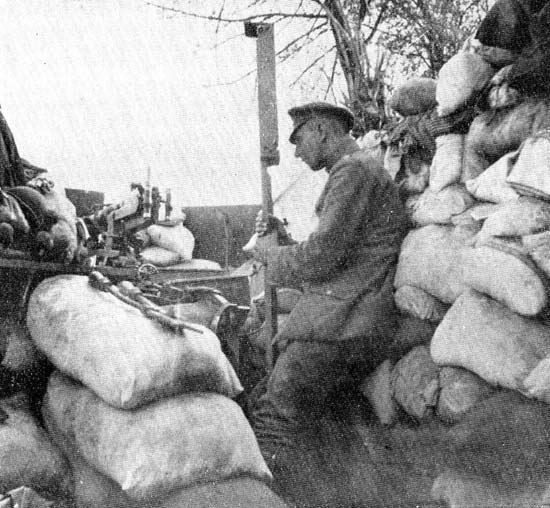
{"x": 302, "y": 114}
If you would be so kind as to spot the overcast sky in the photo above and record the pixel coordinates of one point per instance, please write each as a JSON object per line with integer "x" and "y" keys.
{"x": 99, "y": 91}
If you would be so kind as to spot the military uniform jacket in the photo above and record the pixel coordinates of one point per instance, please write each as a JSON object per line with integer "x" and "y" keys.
{"x": 346, "y": 266}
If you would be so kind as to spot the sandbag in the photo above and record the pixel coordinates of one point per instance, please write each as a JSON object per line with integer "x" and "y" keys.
{"x": 486, "y": 337}
{"x": 538, "y": 247}
{"x": 12, "y": 214}
{"x": 506, "y": 275}
{"x": 491, "y": 185}
{"x": 159, "y": 256}
{"x": 175, "y": 238}
{"x": 113, "y": 349}
{"x": 460, "y": 391}
{"x": 415, "y": 96}
{"x": 473, "y": 218}
{"x": 522, "y": 217}
{"x": 411, "y": 332}
{"x": 27, "y": 455}
{"x": 431, "y": 259}
{"x": 446, "y": 167}
{"x": 377, "y": 389}
{"x": 438, "y": 207}
{"x": 415, "y": 383}
{"x": 21, "y": 353}
{"x": 501, "y": 94}
{"x": 413, "y": 176}
{"x": 48, "y": 211}
{"x": 502, "y": 444}
{"x": 463, "y": 490}
{"x": 416, "y": 302}
{"x": 460, "y": 79}
{"x": 530, "y": 175}
{"x": 93, "y": 489}
{"x": 159, "y": 448}
{"x": 493, "y": 134}
{"x": 497, "y": 57}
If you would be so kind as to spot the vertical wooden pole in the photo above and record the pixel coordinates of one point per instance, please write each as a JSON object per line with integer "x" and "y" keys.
{"x": 269, "y": 153}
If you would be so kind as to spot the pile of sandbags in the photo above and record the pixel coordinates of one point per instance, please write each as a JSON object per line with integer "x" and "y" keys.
{"x": 141, "y": 412}
{"x": 166, "y": 245}
{"x": 477, "y": 263}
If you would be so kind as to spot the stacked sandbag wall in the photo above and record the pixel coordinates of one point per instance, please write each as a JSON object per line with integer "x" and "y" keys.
{"x": 477, "y": 261}
{"x": 141, "y": 413}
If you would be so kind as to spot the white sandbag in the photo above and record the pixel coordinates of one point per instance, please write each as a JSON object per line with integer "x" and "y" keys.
{"x": 486, "y": 337}
{"x": 460, "y": 391}
{"x": 159, "y": 256}
{"x": 415, "y": 96}
{"x": 159, "y": 448}
{"x": 522, "y": 217}
{"x": 439, "y": 207}
{"x": 377, "y": 389}
{"x": 446, "y": 167}
{"x": 415, "y": 382}
{"x": 474, "y": 217}
{"x": 460, "y": 79}
{"x": 27, "y": 455}
{"x": 504, "y": 273}
{"x": 175, "y": 238}
{"x": 416, "y": 302}
{"x": 530, "y": 175}
{"x": 113, "y": 349}
{"x": 538, "y": 247}
{"x": 431, "y": 259}
{"x": 491, "y": 185}
{"x": 93, "y": 490}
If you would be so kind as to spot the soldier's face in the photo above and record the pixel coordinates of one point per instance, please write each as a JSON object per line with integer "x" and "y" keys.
{"x": 308, "y": 146}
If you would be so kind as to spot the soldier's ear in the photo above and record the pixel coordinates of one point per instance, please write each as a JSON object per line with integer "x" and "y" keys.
{"x": 322, "y": 130}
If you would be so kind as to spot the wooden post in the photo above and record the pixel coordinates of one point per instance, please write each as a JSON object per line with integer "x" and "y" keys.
{"x": 269, "y": 152}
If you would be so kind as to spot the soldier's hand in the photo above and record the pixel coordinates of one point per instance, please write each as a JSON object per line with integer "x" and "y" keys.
{"x": 263, "y": 223}
{"x": 266, "y": 224}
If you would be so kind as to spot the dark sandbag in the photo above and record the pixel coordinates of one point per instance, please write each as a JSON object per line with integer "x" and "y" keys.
{"x": 418, "y": 303}
{"x": 411, "y": 332}
{"x": 27, "y": 455}
{"x": 377, "y": 388}
{"x": 21, "y": 354}
{"x": 415, "y": 382}
{"x": 415, "y": 96}
{"x": 502, "y": 444}
{"x": 492, "y": 134}
{"x": 460, "y": 391}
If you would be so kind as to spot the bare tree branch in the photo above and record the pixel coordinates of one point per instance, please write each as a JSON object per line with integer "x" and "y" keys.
{"x": 311, "y": 65}
{"x": 262, "y": 17}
